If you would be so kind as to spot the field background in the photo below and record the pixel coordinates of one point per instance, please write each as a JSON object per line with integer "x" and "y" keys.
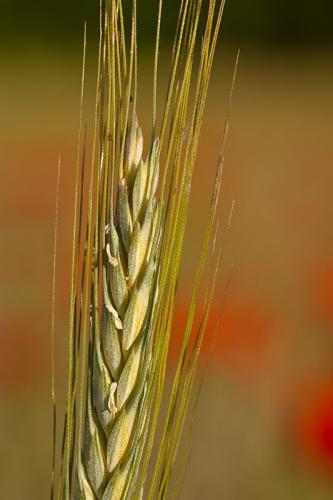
{"x": 264, "y": 428}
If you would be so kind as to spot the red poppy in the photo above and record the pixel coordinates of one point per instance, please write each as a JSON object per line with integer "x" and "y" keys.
{"x": 313, "y": 425}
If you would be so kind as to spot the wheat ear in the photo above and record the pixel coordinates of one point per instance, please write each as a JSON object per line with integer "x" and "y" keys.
{"x": 121, "y": 354}
{"x": 127, "y": 251}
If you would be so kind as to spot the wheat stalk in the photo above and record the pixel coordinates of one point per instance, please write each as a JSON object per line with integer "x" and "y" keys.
{"x": 127, "y": 250}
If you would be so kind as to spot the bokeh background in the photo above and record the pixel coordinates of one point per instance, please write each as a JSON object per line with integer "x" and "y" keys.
{"x": 264, "y": 428}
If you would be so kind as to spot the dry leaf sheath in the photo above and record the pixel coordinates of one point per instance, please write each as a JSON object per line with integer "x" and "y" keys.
{"x": 128, "y": 235}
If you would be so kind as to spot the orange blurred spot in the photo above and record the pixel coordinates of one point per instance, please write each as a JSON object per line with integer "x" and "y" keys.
{"x": 242, "y": 334}
{"x": 323, "y": 291}
{"x": 245, "y": 335}
{"x": 23, "y": 362}
{"x": 313, "y": 425}
{"x": 25, "y": 200}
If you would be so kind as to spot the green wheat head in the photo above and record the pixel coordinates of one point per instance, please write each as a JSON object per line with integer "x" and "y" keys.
{"x": 127, "y": 248}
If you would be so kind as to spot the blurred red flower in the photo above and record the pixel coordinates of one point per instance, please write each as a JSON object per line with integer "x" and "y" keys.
{"x": 313, "y": 424}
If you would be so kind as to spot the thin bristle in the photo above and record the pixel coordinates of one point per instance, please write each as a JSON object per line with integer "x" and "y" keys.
{"x": 53, "y": 369}
{"x": 71, "y": 335}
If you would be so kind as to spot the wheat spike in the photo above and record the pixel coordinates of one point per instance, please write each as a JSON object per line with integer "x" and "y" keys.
{"x": 121, "y": 353}
{"x": 127, "y": 250}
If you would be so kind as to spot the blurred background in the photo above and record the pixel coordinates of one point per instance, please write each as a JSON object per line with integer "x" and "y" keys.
{"x": 264, "y": 428}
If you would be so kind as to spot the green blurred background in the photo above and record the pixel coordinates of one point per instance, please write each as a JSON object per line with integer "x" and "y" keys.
{"x": 259, "y": 21}
{"x": 265, "y": 423}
